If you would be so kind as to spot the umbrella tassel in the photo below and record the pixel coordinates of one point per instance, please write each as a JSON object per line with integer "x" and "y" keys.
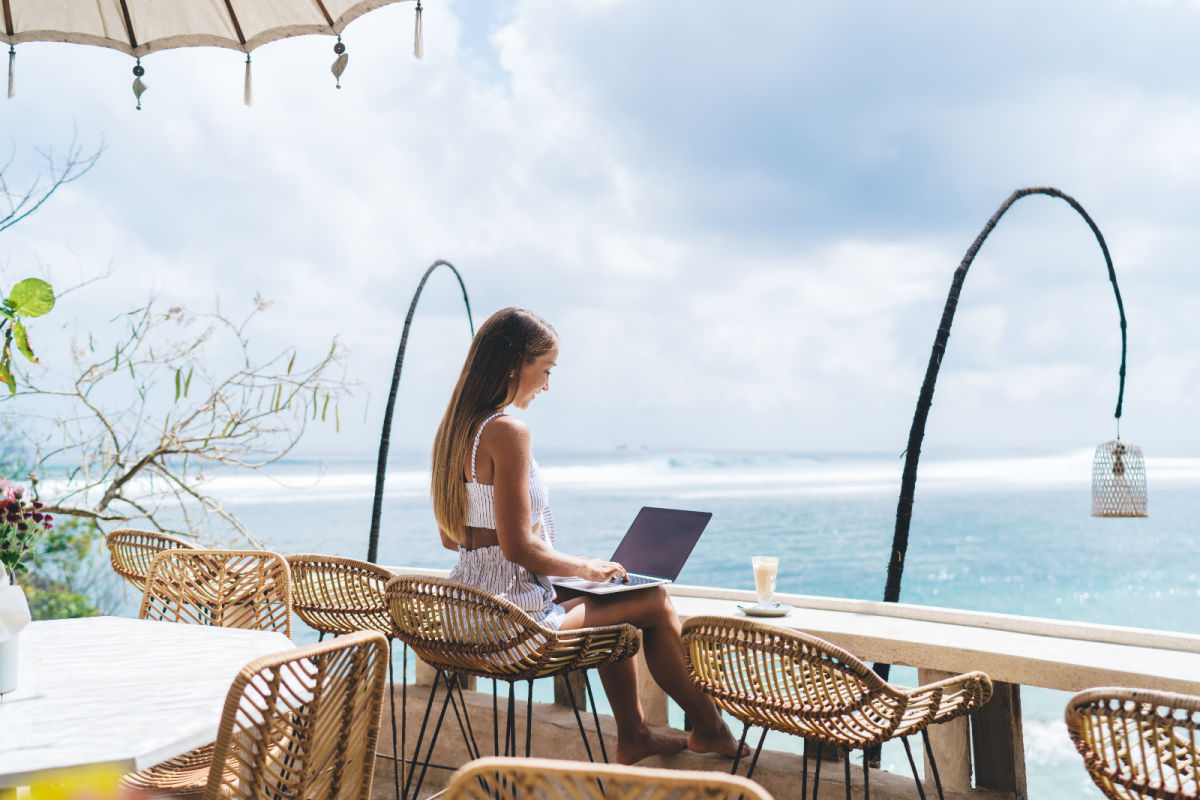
{"x": 339, "y": 63}
{"x": 246, "y": 98}
{"x": 139, "y": 88}
{"x": 12, "y": 57}
{"x": 418, "y": 35}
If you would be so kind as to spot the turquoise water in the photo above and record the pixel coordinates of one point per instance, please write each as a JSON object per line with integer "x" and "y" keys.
{"x": 1004, "y": 535}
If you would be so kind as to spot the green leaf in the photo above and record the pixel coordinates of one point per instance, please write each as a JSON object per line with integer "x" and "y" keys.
{"x": 188, "y": 383}
{"x": 22, "y": 338}
{"x": 7, "y": 376}
{"x": 32, "y": 297}
{"x": 178, "y": 386}
{"x": 291, "y": 362}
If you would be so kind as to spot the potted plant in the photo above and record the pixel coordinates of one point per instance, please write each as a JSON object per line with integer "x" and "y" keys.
{"x": 21, "y": 523}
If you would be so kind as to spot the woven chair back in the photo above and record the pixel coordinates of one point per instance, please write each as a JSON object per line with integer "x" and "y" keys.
{"x": 1137, "y": 743}
{"x": 339, "y": 595}
{"x": 544, "y": 779}
{"x": 1119, "y": 481}
{"x": 303, "y": 723}
{"x": 455, "y": 627}
{"x": 228, "y": 588}
{"x": 131, "y": 550}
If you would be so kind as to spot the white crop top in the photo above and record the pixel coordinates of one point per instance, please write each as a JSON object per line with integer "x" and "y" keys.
{"x": 481, "y": 504}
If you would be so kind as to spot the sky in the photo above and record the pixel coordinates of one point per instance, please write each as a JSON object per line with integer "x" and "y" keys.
{"x": 742, "y": 218}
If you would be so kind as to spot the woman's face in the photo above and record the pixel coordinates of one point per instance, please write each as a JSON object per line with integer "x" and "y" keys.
{"x": 535, "y": 378}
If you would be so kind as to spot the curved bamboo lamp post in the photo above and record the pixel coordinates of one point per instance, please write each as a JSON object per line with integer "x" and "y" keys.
{"x": 385, "y": 437}
{"x": 908, "y": 482}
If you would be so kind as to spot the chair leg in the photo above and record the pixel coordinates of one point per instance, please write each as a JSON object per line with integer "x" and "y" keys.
{"x": 866, "y": 777}
{"x": 495, "y": 719}
{"x": 437, "y": 728}
{"x": 913, "y": 765}
{"x": 579, "y": 720}
{"x": 817, "y": 777}
{"x": 405, "y": 768}
{"x": 803, "y": 775}
{"x": 397, "y": 754}
{"x": 741, "y": 743}
{"x": 937, "y": 779}
{"x": 757, "y": 750}
{"x": 464, "y": 721}
{"x": 587, "y": 685}
{"x": 510, "y": 723}
{"x": 528, "y": 717}
{"x": 847, "y": 771}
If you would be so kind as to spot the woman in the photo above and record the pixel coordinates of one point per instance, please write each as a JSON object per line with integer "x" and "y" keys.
{"x": 492, "y": 507}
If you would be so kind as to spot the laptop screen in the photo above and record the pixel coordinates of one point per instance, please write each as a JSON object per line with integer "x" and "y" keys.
{"x": 660, "y": 540}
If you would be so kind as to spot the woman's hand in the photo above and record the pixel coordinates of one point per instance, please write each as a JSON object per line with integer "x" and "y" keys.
{"x": 596, "y": 569}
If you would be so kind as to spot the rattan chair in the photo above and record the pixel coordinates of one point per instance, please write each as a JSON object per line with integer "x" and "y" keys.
{"x": 783, "y": 680}
{"x": 458, "y": 629}
{"x": 298, "y": 724}
{"x": 131, "y": 551}
{"x": 337, "y": 596}
{"x": 229, "y": 588}
{"x": 542, "y": 779}
{"x": 1138, "y": 743}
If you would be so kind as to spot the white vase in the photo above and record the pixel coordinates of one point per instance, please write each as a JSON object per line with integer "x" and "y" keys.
{"x": 8, "y": 663}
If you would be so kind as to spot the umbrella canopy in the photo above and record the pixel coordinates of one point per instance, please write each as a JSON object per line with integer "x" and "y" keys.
{"x": 139, "y": 27}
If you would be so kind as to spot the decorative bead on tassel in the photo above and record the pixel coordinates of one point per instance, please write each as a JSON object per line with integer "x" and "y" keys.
{"x": 139, "y": 88}
{"x": 12, "y": 56}
{"x": 247, "y": 97}
{"x": 418, "y": 36}
{"x": 339, "y": 63}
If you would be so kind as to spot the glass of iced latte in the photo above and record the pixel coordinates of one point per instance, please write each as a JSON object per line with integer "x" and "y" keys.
{"x": 765, "y": 570}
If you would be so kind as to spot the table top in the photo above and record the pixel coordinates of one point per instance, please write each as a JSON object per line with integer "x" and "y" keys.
{"x": 124, "y": 693}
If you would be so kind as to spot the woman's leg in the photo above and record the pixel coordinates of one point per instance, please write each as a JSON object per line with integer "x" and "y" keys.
{"x": 651, "y": 611}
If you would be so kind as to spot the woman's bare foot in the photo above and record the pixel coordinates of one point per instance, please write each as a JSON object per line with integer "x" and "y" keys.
{"x": 720, "y": 741}
{"x": 633, "y": 749}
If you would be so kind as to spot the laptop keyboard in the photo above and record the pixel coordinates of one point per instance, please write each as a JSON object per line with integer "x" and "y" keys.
{"x": 634, "y": 580}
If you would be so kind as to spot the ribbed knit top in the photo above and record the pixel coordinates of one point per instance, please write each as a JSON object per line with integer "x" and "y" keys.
{"x": 481, "y": 502}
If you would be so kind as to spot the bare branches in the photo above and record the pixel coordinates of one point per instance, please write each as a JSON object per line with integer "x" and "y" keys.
{"x": 59, "y": 171}
{"x": 163, "y": 399}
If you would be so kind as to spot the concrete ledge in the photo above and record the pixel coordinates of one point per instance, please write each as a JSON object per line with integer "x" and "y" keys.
{"x": 556, "y": 735}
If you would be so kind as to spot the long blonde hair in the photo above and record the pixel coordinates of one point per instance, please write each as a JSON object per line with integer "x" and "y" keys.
{"x": 509, "y": 339}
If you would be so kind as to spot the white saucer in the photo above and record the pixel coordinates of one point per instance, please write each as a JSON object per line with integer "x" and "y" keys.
{"x": 773, "y": 610}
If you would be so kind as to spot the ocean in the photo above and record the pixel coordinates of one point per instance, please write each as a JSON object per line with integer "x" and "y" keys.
{"x": 1009, "y": 534}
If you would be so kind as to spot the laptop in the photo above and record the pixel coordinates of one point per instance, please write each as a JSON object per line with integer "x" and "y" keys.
{"x": 653, "y": 552}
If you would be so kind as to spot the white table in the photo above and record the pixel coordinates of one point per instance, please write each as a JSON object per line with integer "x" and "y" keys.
{"x": 124, "y": 693}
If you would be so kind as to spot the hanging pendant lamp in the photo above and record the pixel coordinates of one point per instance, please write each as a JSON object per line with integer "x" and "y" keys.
{"x": 1119, "y": 480}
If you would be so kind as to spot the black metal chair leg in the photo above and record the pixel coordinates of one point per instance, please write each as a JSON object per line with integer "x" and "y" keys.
{"x": 579, "y": 720}
{"x": 464, "y": 721}
{"x": 741, "y": 743}
{"x": 404, "y": 768}
{"x": 595, "y": 716}
{"x": 913, "y": 765}
{"x": 937, "y": 779}
{"x": 817, "y": 777}
{"x": 397, "y": 754}
{"x": 757, "y": 750}
{"x": 495, "y": 719}
{"x": 866, "y": 777}
{"x": 433, "y": 739}
{"x": 528, "y": 717}
{"x": 510, "y": 723}
{"x": 847, "y": 771}
{"x": 803, "y": 775}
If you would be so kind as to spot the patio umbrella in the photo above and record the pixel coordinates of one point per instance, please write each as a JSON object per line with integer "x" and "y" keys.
{"x": 139, "y": 27}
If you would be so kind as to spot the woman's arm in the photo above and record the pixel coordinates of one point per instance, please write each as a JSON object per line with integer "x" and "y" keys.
{"x": 511, "y": 457}
{"x": 447, "y": 542}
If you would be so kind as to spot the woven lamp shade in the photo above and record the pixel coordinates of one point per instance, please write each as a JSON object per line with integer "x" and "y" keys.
{"x": 1119, "y": 481}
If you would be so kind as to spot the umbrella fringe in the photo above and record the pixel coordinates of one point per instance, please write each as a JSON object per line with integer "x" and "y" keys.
{"x": 12, "y": 57}
{"x": 418, "y": 35}
{"x": 247, "y": 96}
